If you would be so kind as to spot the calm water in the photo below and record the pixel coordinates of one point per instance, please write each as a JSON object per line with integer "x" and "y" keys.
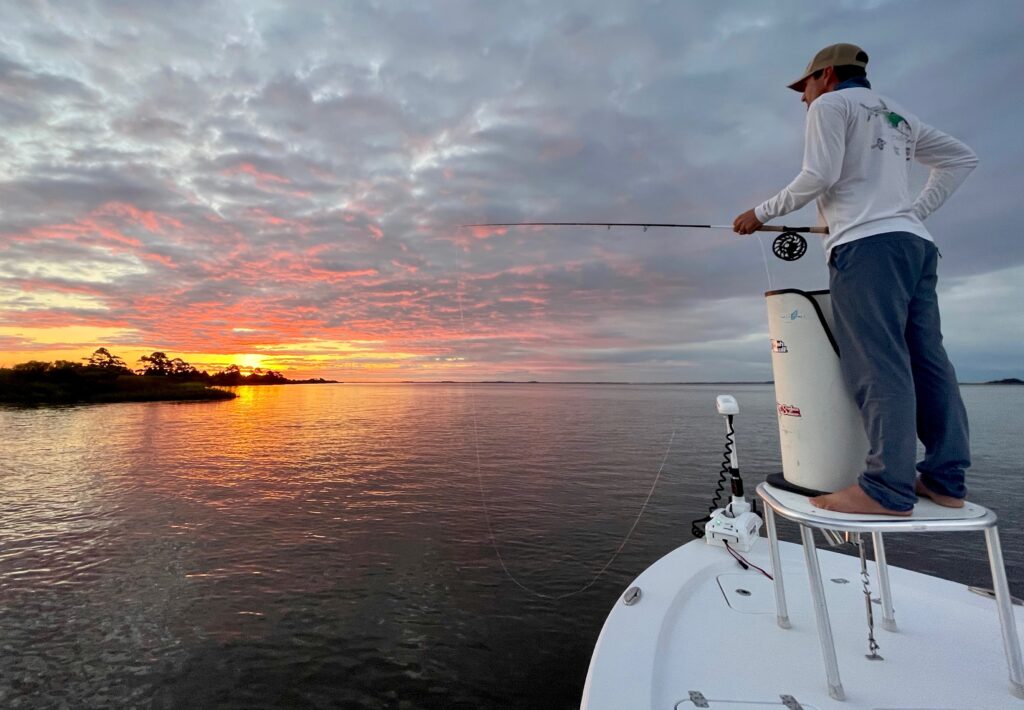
{"x": 327, "y": 546}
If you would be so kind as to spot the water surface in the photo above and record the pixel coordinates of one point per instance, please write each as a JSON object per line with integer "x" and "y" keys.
{"x": 376, "y": 546}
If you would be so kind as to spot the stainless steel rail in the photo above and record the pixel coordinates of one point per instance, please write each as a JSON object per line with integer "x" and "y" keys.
{"x": 971, "y": 517}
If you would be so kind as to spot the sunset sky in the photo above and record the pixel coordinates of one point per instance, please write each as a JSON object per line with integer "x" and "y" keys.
{"x": 280, "y": 185}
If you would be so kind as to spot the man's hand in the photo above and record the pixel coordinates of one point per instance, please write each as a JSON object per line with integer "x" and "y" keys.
{"x": 747, "y": 223}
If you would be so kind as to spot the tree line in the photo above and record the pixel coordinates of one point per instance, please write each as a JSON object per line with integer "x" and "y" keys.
{"x": 104, "y": 365}
{"x": 159, "y": 364}
{"x": 105, "y": 377}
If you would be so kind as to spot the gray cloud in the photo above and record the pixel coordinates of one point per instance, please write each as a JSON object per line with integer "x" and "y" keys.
{"x": 308, "y": 165}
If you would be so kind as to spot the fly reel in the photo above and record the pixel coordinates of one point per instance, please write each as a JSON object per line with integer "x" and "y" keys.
{"x": 789, "y": 246}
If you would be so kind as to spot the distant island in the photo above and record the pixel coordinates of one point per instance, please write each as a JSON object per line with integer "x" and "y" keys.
{"x": 1007, "y": 381}
{"x": 105, "y": 377}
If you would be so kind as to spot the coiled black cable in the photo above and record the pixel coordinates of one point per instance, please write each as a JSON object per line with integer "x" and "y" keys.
{"x": 697, "y": 526}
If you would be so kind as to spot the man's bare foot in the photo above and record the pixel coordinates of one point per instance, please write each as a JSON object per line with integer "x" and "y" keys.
{"x": 854, "y": 500}
{"x": 947, "y": 501}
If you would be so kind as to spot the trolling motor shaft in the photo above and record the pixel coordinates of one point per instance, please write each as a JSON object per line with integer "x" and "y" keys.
{"x": 735, "y": 525}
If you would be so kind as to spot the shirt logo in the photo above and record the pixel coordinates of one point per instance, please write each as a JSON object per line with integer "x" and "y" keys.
{"x": 891, "y": 118}
{"x": 897, "y": 127}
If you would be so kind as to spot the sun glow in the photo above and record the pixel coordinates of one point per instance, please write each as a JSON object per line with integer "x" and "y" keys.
{"x": 247, "y": 360}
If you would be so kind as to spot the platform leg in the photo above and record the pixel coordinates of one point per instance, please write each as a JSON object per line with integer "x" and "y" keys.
{"x": 781, "y": 612}
{"x": 888, "y": 616}
{"x": 1010, "y": 641}
{"x": 828, "y": 646}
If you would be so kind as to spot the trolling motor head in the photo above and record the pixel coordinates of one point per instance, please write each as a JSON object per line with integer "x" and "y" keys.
{"x": 735, "y": 525}
{"x": 727, "y": 405}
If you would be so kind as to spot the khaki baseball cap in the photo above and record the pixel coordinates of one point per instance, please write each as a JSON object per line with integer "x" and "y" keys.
{"x": 835, "y": 55}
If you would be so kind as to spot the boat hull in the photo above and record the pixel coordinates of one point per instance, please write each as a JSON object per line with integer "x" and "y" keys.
{"x": 704, "y": 634}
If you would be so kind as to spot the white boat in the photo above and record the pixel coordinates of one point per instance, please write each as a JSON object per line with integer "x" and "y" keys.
{"x": 741, "y": 622}
{"x": 704, "y": 633}
{"x": 794, "y": 627}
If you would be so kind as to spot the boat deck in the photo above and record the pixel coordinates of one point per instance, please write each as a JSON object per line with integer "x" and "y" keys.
{"x": 705, "y": 626}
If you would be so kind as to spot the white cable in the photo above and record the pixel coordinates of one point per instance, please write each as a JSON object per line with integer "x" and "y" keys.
{"x": 764, "y": 256}
{"x": 483, "y": 496}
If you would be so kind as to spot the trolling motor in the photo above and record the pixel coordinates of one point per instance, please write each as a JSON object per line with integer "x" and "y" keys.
{"x": 735, "y": 525}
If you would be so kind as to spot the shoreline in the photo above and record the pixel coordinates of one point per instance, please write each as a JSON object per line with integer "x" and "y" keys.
{"x": 145, "y": 389}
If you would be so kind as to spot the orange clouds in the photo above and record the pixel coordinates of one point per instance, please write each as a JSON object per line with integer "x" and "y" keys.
{"x": 331, "y": 293}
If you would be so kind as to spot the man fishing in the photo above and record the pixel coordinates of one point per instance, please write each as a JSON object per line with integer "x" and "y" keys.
{"x": 882, "y": 273}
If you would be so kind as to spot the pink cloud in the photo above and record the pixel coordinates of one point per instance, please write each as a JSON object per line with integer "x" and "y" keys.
{"x": 536, "y": 300}
{"x": 151, "y": 221}
{"x": 408, "y": 268}
{"x": 487, "y": 232}
{"x": 86, "y": 230}
{"x": 261, "y": 177}
{"x": 267, "y": 218}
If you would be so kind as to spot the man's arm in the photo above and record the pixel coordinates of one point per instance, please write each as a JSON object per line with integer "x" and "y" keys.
{"x": 824, "y": 147}
{"x": 950, "y": 161}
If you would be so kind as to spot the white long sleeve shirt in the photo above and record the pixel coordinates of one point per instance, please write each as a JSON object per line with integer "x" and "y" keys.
{"x": 857, "y": 152}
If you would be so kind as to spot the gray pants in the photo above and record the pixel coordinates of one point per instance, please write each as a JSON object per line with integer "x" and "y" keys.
{"x": 892, "y": 359}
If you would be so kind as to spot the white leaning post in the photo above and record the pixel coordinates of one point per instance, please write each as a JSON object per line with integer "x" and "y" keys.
{"x": 985, "y": 520}
{"x": 828, "y": 644}
{"x": 888, "y": 616}
{"x": 781, "y": 613}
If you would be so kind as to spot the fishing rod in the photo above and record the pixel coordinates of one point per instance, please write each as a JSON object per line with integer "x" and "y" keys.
{"x": 790, "y": 245}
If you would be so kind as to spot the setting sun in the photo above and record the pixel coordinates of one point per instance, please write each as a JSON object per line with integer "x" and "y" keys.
{"x": 247, "y": 360}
